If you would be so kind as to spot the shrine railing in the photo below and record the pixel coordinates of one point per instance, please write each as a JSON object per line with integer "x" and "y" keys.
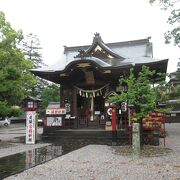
{"x": 85, "y": 122}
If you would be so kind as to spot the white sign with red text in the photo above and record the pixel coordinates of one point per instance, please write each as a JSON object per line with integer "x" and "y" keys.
{"x": 51, "y": 111}
{"x": 30, "y": 127}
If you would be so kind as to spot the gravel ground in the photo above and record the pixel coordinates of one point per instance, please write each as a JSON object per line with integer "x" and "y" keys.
{"x": 99, "y": 162}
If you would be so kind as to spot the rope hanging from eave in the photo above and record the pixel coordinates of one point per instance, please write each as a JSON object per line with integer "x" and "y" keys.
{"x": 90, "y": 93}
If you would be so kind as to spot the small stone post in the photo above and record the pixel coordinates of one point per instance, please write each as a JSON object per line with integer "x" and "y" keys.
{"x": 136, "y": 144}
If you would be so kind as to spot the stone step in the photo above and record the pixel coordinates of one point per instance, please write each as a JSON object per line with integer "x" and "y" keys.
{"x": 59, "y": 134}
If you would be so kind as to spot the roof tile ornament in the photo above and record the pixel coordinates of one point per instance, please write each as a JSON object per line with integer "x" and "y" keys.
{"x": 97, "y": 39}
{"x": 97, "y": 36}
{"x": 82, "y": 54}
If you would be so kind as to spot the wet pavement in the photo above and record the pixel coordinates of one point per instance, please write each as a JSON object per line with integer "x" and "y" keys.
{"x": 17, "y": 163}
{"x": 15, "y": 130}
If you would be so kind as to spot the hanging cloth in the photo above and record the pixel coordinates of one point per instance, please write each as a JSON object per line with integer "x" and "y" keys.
{"x": 92, "y": 109}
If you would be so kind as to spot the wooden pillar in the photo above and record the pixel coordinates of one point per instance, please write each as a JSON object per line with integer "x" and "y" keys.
{"x": 113, "y": 118}
{"x": 61, "y": 96}
{"x": 74, "y": 102}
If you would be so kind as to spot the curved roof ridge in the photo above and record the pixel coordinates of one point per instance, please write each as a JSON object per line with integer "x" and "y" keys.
{"x": 55, "y": 67}
{"x": 95, "y": 59}
{"x": 98, "y": 40}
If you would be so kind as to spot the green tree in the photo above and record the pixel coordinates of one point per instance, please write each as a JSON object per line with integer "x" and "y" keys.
{"x": 174, "y": 86}
{"x": 32, "y": 50}
{"x": 14, "y": 74}
{"x": 161, "y": 88}
{"x": 174, "y": 93}
{"x": 161, "y": 91}
{"x": 50, "y": 94}
{"x": 174, "y": 34}
{"x": 173, "y": 20}
{"x": 140, "y": 92}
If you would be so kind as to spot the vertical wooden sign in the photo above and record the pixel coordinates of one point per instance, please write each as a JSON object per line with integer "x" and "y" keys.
{"x": 30, "y": 127}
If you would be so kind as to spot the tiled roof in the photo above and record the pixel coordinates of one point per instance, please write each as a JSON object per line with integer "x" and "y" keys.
{"x": 128, "y": 53}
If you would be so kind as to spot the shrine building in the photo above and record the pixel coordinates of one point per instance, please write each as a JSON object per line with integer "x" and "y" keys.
{"x": 89, "y": 74}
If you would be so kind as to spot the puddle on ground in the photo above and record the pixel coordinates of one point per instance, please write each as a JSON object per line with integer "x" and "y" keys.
{"x": 13, "y": 164}
{"x": 17, "y": 163}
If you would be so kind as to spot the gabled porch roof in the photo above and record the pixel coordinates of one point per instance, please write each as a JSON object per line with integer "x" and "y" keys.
{"x": 105, "y": 57}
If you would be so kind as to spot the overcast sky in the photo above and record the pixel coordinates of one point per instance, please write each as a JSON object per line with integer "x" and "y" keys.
{"x": 74, "y": 22}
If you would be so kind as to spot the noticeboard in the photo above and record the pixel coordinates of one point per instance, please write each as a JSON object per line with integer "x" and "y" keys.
{"x": 54, "y": 121}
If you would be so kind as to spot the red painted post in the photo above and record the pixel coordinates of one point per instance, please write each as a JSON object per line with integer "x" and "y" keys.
{"x": 113, "y": 118}
{"x": 164, "y": 129}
